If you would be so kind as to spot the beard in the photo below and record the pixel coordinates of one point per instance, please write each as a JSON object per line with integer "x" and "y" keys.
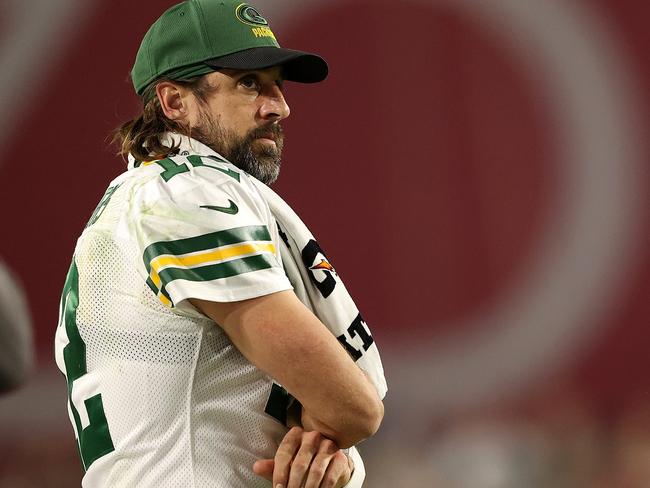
{"x": 257, "y": 159}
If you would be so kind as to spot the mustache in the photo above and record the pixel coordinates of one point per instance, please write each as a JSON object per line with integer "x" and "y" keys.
{"x": 274, "y": 130}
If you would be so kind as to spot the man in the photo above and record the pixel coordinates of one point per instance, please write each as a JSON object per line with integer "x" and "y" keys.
{"x": 201, "y": 326}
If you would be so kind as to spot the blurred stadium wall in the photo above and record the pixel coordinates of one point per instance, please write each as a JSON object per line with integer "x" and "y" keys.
{"x": 476, "y": 171}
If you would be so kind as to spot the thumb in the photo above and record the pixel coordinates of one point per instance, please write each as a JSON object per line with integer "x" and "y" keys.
{"x": 264, "y": 468}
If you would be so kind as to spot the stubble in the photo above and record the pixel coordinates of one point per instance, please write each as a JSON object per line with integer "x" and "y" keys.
{"x": 259, "y": 160}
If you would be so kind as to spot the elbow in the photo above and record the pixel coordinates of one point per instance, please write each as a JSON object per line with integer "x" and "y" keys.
{"x": 364, "y": 424}
{"x": 373, "y": 417}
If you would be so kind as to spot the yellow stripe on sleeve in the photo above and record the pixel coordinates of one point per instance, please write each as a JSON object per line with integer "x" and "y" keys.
{"x": 205, "y": 257}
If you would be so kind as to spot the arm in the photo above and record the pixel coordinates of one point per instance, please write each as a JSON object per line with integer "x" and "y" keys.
{"x": 282, "y": 337}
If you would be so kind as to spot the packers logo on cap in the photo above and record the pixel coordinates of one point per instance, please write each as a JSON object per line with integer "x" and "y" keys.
{"x": 249, "y": 15}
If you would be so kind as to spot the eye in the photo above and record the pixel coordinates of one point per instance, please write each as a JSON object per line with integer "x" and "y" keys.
{"x": 250, "y": 83}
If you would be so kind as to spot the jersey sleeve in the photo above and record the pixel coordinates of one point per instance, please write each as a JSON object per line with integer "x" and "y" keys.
{"x": 205, "y": 233}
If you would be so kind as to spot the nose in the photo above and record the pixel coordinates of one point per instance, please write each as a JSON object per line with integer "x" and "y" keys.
{"x": 274, "y": 106}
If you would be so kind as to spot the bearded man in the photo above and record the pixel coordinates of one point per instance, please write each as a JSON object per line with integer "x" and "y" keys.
{"x": 205, "y": 338}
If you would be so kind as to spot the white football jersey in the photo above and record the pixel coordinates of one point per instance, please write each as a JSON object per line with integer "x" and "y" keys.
{"x": 158, "y": 395}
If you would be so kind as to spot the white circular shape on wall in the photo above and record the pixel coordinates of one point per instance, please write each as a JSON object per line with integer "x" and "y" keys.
{"x": 588, "y": 245}
{"x": 37, "y": 35}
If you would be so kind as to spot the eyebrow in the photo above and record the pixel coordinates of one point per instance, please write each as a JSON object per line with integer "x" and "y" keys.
{"x": 256, "y": 73}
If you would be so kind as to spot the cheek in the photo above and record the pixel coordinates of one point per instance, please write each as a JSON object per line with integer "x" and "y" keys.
{"x": 240, "y": 119}
{"x": 237, "y": 115}
{"x": 195, "y": 114}
{"x": 194, "y": 119}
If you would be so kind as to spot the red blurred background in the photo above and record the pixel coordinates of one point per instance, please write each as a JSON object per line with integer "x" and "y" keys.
{"x": 478, "y": 174}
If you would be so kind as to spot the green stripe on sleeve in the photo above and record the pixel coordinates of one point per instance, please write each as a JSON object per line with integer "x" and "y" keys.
{"x": 155, "y": 290}
{"x": 151, "y": 285}
{"x": 205, "y": 242}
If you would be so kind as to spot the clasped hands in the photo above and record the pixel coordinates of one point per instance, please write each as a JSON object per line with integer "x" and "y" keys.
{"x": 306, "y": 459}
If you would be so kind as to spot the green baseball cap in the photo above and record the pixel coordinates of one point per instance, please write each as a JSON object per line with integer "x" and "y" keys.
{"x": 197, "y": 37}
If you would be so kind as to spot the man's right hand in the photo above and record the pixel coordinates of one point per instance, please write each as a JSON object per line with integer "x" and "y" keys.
{"x": 306, "y": 459}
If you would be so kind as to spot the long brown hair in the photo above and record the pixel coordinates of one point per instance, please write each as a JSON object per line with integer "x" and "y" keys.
{"x": 141, "y": 136}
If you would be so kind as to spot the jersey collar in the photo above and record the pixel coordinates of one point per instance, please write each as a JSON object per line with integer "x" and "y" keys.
{"x": 187, "y": 146}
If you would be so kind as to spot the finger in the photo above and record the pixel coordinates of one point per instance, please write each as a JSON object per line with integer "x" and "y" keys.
{"x": 310, "y": 443}
{"x": 320, "y": 463}
{"x": 264, "y": 468}
{"x": 338, "y": 472}
{"x": 350, "y": 465}
{"x": 284, "y": 456}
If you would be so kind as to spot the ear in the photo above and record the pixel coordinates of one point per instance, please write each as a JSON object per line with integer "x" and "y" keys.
{"x": 172, "y": 100}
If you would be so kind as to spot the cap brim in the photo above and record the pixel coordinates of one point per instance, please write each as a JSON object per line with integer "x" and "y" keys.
{"x": 298, "y": 66}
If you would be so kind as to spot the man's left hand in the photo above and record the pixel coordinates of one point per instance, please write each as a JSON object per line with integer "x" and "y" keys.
{"x": 306, "y": 460}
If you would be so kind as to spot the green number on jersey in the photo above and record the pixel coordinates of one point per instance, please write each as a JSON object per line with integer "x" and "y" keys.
{"x": 102, "y": 205}
{"x": 94, "y": 440}
{"x": 278, "y": 403}
{"x": 173, "y": 168}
